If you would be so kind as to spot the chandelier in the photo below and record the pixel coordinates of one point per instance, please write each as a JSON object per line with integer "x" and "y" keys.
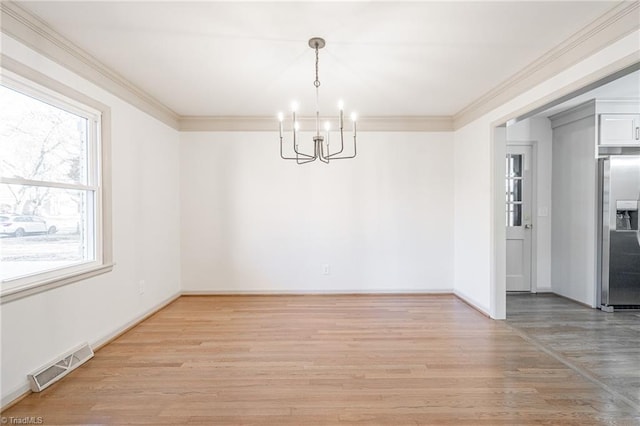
{"x": 322, "y": 148}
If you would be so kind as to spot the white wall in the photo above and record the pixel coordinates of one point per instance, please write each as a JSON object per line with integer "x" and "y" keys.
{"x": 252, "y": 222}
{"x": 537, "y": 131}
{"x": 472, "y": 193}
{"x": 573, "y": 266}
{"x": 146, "y": 243}
{"x": 475, "y": 276}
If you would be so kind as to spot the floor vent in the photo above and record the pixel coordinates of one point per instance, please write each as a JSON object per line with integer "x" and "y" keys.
{"x": 60, "y": 367}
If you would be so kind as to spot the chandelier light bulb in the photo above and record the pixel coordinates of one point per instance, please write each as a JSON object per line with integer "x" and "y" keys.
{"x": 354, "y": 116}
{"x": 296, "y": 126}
{"x": 280, "y": 117}
{"x": 294, "y": 106}
{"x": 340, "y": 104}
{"x": 327, "y": 126}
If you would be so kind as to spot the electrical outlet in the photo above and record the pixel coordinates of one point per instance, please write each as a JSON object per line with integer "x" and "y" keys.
{"x": 141, "y": 286}
{"x": 325, "y": 269}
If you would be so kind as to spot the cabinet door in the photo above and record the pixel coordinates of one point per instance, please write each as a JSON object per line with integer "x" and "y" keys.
{"x": 619, "y": 129}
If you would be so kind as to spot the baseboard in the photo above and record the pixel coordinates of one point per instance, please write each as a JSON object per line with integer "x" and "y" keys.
{"x": 24, "y": 391}
{"x": 550, "y": 292}
{"x": 16, "y": 396}
{"x": 102, "y": 342}
{"x": 572, "y": 300}
{"x": 469, "y": 301}
{"x": 312, "y": 292}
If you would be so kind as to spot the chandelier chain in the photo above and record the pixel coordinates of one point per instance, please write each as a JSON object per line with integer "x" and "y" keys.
{"x": 317, "y": 82}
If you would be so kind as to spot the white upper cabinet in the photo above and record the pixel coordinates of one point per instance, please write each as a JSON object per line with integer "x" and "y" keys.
{"x": 619, "y": 129}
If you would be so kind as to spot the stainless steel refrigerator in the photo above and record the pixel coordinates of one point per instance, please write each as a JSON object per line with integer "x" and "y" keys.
{"x": 619, "y": 245}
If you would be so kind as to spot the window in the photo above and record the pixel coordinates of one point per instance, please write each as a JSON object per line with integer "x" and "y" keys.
{"x": 513, "y": 189}
{"x": 51, "y": 187}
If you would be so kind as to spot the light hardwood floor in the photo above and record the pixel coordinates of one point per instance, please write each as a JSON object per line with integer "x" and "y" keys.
{"x": 306, "y": 360}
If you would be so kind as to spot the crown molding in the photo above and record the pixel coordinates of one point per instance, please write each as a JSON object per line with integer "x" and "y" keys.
{"x": 265, "y": 124}
{"x": 410, "y": 123}
{"x": 618, "y": 22}
{"x": 39, "y": 36}
{"x": 578, "y": 112}
{"x": 201, "y": 123}
{"x": 604, "y": 75}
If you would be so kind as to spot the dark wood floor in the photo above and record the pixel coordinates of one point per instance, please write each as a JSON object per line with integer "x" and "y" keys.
{"x": 604, "y": 345}
{"x": 307, "y": 360}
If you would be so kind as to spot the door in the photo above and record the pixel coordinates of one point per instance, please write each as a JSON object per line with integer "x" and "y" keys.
{"x": 518, "y": 216}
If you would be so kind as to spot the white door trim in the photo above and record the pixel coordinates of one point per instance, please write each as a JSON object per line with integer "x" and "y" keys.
{"x": 498, "y": 235}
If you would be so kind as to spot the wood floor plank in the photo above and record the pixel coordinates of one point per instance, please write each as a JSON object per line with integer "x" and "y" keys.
{"x": 348, "y": 359}
{"x": 606, "y": 345}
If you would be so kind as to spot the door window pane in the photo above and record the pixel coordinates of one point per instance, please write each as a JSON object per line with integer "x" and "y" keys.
{"x": 514, "y": 190}
{"x": 514, "y": 165}
{"x": 514, "y": 214}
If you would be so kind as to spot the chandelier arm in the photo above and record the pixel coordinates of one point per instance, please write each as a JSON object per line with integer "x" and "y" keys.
{"x": 295, "y": 149}
{"x": 343, "y": 158}
{"x": 282, "y": 153}
{"x": 302, "y": 154}
{"x": 341, "y": 144}
{"x": 298, "y": 154}
{"x": 294, "y": 140}
{"x": 355, "y": 152}
{"x": 312, "y": 159}
{"x": 355, "y": 149}
{"x": 308, "y": 158}
{"x": 295, "y": 158}
{"x": 291, "y": 158}
{"x": 320, "y": 152}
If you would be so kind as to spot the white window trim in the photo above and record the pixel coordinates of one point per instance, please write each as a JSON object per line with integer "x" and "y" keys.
{"x": 15, "y": 71}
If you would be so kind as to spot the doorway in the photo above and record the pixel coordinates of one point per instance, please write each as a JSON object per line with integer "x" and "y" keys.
{"x": 596, "y": 85}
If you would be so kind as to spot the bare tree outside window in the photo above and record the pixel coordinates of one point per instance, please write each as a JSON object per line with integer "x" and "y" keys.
{"x": 46, "y": 195}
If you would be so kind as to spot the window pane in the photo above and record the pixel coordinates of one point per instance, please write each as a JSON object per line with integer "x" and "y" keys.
{"x": 514, "y": 165}
{"x": 44, "y": 229}
{"x": 514, "y": 190}
{"x": 514, "y": 214}
{"x": 40, "y": 141}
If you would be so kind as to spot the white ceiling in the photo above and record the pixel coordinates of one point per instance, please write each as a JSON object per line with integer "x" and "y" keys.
{"x": 252, "y": 58}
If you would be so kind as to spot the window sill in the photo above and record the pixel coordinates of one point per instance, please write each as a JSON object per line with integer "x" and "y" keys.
{"x": 11, "y": 294}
